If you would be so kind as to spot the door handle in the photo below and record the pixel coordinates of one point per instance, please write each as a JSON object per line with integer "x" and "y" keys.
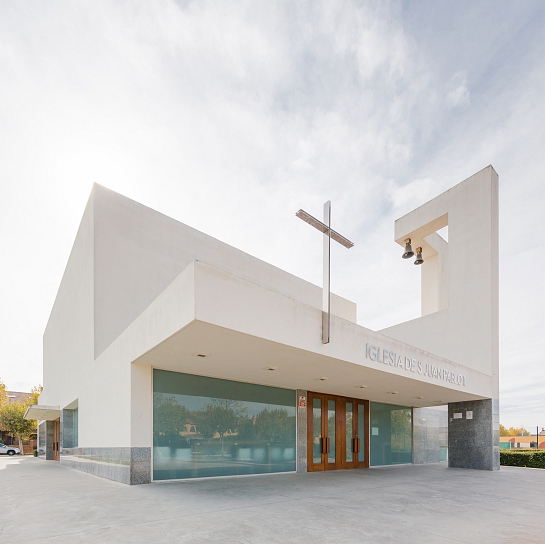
{"x": 356, "y": 445}
{"x": 325, "y": 444}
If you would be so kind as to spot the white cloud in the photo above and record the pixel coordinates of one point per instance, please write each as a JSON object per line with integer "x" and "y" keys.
{"x": 458, "y": 95}
{"x": 413, "y": 194}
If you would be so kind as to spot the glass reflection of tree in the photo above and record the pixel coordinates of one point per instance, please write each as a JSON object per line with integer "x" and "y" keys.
{"x": 331, "y": 425}
{"x": 221, "y": 416}
{"x": 349, "y": 433}
{"x": 317, "y": 429}
{"x": 401, "y": 426}
{"x": 331, "y": 420}
{"x": 317, "y": 419}
{"x": 169, "y": 419}
{"x": 349, "y": 419}
{"x": 274, "y": 425}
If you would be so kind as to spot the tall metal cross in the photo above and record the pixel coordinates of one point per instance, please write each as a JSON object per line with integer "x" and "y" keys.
{"x": 329, "y": 233}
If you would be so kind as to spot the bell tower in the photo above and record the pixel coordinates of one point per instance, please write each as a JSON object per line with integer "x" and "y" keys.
{"x": 460, "y": 302}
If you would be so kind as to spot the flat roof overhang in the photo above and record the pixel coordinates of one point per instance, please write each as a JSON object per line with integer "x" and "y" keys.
{"x": 236, "y": 356}
{"x": 244, "y": 330}
{"x": 42, "y": 413}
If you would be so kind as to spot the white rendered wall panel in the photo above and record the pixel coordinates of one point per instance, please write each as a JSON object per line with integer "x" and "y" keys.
{"x": 68, "y": 338}
{"x": 139, "y": 252}
{"x": 169, "y": 313}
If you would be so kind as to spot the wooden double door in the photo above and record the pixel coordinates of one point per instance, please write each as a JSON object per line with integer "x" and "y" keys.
{"x": 338, "y": 432}
{"x": 55, "y": 446}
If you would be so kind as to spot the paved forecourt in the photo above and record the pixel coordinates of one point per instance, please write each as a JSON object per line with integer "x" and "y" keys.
{"x": 45, "y": 502}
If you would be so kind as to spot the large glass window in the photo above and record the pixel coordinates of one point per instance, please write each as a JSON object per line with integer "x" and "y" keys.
{"x": 210, "y": 427}
{"x": 391, "y": 434}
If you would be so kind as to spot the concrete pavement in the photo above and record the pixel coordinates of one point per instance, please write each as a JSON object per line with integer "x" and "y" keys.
{"x": 44, "y": 502}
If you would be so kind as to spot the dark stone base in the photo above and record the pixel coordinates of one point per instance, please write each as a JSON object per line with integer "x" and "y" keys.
{"x": 301, "y": 433}
{"x": 474, "y": 443}
{"x": 126, "y": 465}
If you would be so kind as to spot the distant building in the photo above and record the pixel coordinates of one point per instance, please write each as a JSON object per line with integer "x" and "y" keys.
{"x": 14, "y": 396}
{"x": 522, "y": 442}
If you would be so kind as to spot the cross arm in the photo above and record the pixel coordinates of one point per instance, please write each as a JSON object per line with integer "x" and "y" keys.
{"x": 322, "y": 227}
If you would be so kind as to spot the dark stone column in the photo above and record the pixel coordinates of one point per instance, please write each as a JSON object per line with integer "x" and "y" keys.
{"x": 302, "y": 431}
{"x": 67, "y": 429}
{"x": 49, "y": 440}
{"x": 473, "y": 434}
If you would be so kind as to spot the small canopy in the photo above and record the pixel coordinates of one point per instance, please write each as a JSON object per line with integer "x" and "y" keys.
{"x": 40, "y": 412}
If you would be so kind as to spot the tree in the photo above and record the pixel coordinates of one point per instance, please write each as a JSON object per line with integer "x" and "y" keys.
{"x": 513, "y": 431}
{"x": 12, "y": 414}
{"x": 13, "y": 421}
{"x": 3, "y": 394}
{"x": 35, "y": 392}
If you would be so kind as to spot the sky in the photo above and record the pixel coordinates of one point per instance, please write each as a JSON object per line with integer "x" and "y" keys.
{"x": 230, "y": 116}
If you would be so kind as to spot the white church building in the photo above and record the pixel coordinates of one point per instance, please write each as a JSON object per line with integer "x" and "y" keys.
{"x": 171, "y": 355}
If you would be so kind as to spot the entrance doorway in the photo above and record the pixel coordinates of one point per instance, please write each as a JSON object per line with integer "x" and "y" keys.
{"x": 56, "y": 439}
{"x": 338, "y": 432}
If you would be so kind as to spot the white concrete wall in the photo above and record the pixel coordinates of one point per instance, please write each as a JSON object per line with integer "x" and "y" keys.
{"x": 264, "y": 314}
{"x": 68, "y": 342}
{"x": 139, "y": 252}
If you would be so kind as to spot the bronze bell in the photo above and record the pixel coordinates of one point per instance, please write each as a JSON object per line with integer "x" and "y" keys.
{"x": 408, "y": 249}
{"x": 419, "y": 259}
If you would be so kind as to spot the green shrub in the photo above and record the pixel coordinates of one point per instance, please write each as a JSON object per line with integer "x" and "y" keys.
{"x": 532, "y": 459}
